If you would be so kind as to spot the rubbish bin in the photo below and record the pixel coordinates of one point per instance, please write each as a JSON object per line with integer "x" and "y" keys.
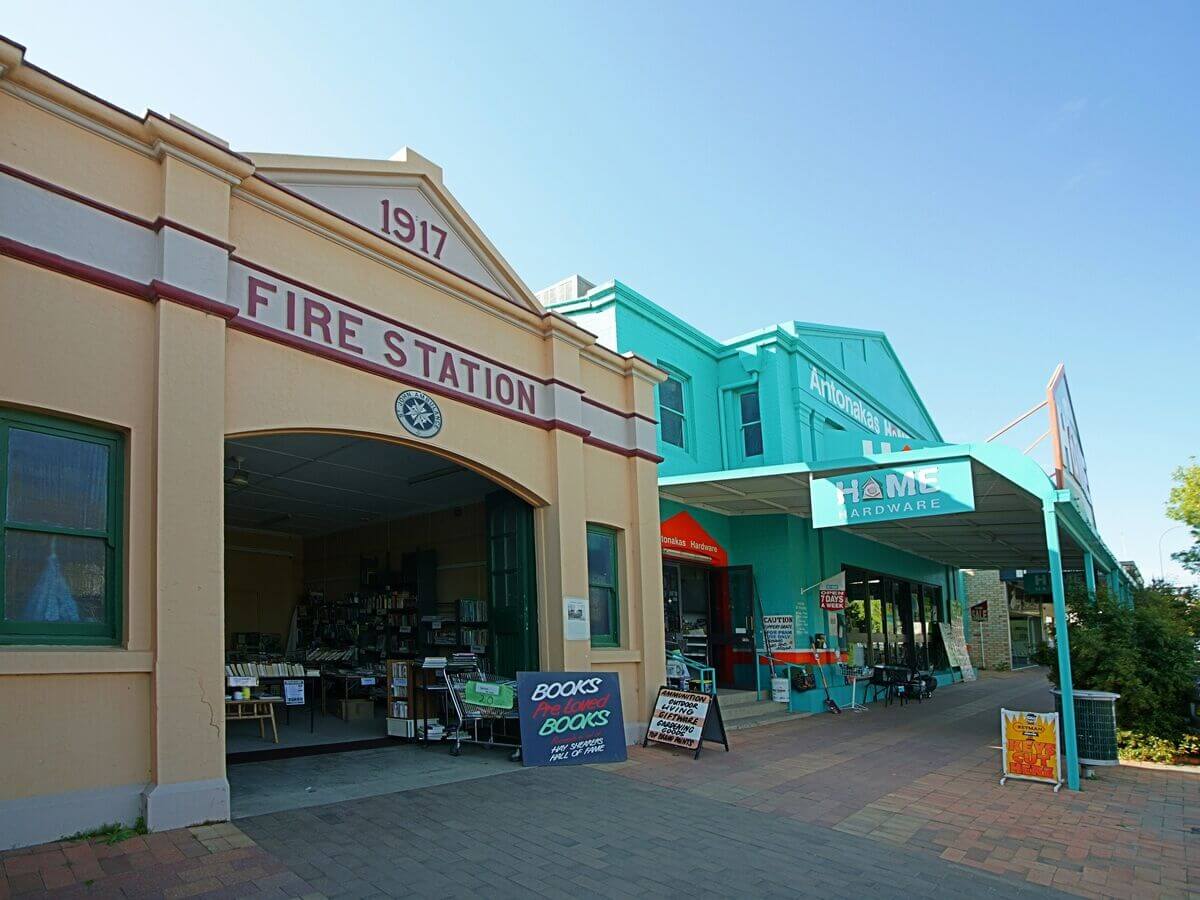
{"x": 1095, "y": 726}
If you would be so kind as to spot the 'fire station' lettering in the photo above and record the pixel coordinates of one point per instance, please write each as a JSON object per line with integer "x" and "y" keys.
{"x": 272, "y": 304}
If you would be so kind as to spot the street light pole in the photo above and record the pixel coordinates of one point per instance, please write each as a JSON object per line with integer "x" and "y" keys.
{"x": 1162, "y": 572}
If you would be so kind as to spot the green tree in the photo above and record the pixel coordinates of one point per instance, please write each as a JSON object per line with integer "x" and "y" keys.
{"x": 1183, "y": 505}
{"x": 1145, "y": 652}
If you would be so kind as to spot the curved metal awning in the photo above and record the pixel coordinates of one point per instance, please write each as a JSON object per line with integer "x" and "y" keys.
{"x": 1006, "y": 530}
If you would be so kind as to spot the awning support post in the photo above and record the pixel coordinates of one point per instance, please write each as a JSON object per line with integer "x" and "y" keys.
{"x": 1089, "y": 574}
{"x": 1062, "y": 645}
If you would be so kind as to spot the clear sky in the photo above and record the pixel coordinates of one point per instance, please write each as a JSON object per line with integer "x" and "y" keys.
{"x": 999, "y": 187}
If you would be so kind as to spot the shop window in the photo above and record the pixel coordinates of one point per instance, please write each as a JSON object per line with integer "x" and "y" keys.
{"x": 61, "y": 501}
{"x": 752, "y": 437}
{"x": 603, "y": 591}
{"x": 672, "y": 414}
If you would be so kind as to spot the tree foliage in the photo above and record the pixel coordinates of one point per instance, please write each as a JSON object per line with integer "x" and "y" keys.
{"x": 1145, "y": 652}
{"x": 1183, "y": 505}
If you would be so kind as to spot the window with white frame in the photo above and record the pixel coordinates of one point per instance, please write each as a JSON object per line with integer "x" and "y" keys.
{"x": 672, "y": 415}
{"x": 752, "y": 436}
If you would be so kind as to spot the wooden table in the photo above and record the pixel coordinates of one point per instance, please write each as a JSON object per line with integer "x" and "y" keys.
{"x": 261, "y": 708}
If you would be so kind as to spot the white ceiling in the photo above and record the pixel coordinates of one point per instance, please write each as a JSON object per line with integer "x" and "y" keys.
{"x": 313, "y": 484}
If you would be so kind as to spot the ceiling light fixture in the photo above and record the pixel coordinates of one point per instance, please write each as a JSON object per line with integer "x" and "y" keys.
{"x": 240, "y": 477}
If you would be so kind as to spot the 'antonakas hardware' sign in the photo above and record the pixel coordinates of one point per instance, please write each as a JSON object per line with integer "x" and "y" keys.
{"x": 883, "y": 495}
{"x": 570, "y": 718}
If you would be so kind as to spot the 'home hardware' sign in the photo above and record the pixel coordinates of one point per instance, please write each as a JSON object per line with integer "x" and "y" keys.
{"x": 882, "y": 495}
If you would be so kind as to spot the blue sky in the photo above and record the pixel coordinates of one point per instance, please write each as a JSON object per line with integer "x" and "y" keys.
{"x": 998, "y": 187}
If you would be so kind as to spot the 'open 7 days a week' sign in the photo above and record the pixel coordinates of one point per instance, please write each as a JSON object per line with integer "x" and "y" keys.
{"x": 903, "y": 492}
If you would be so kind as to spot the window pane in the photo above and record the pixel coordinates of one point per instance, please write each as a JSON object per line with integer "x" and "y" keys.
{"x": 752, "y": 440}
{"x": 602, "y": 606}
{"x": 670, "y": 394}
{"x": 602, "y": 565}
{"x": 55, "y": 480}
{"x": 750, "y": 407}
{"x": 53, "y": 578}
{"x": 672, "y": 428}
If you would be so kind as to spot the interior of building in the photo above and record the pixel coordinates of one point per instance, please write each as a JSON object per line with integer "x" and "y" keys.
{"x": 348, "y": 562}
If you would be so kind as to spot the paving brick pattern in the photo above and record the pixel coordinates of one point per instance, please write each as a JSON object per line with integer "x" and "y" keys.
{"x": 897, "y": 802}
{"x": 211, "y": 861}
{"x": 584, "y": 832}
{"x": 926, "y": 777}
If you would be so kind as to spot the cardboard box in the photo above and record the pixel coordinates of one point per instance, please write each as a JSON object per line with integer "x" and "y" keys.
{"x": 355, "y": 710}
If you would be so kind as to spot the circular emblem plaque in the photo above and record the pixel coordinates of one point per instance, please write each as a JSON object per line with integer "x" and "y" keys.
{"x": 419, "y": 414}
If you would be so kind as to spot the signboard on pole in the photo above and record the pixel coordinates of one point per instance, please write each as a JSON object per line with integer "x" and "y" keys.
{"x": 832, "y": 592}
{"x": 1029, "y": 747}
{"x": 885, "y": 495}
{"x": 979, "y": 612}
{"x": 1036, "y": 584}
{"x": 1070, "y": 467}
{"x": 570, "y": 718}
{"x": 956, "y": 649}
{"x": 685, "y": 719}
{"x": 779, "y": 633}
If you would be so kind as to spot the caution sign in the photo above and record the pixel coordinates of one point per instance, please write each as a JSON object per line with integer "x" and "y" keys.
{"x": 685, "y": 719}
{"x": 1029, "y": 746}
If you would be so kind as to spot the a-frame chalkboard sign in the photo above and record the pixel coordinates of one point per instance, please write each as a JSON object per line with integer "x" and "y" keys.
{"x": 686, "y": 719}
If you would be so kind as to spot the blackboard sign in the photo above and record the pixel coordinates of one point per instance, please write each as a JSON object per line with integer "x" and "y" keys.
{"x": 570, "y": 718}
{"x": 686, "y": 719}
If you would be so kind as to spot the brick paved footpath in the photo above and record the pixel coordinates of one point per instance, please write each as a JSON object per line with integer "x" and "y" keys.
{"x": 888, "y": 803}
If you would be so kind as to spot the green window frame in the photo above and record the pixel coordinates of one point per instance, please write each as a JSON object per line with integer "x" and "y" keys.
{"x": 604, "y": 592}
{"x": 109, "y": 629}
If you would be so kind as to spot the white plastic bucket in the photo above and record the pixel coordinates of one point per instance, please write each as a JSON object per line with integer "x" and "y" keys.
{"x": 780, "y": 691}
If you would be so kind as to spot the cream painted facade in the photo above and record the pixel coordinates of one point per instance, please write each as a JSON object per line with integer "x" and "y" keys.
{"x": 144, "y": 284}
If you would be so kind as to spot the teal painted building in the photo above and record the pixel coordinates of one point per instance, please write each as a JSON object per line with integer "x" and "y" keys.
{"x": 744, "y": 424}
{"x": 791, "y": 393}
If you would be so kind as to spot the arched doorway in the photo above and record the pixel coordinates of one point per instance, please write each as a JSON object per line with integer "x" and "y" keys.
{"x": 346, "y": 554}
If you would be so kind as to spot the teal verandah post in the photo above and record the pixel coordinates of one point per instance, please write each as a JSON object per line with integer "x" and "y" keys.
{"x": 1063, "y": 645}
{"x": 1089, "y": 574}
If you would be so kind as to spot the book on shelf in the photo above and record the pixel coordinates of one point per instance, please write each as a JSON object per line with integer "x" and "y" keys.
{"x": 472, "y": 611}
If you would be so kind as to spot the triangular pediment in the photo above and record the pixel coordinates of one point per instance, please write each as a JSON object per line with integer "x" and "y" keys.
{"x": 866, "y": 361}
{"x": 402, "y": 201}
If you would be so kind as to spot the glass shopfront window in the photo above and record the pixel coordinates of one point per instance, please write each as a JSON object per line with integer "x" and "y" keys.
{"x": 892, "y": 619}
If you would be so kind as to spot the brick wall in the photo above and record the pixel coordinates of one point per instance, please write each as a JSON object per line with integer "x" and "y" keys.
{"x": 990, "y": 639}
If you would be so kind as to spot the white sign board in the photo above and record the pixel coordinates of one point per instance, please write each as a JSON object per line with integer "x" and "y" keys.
{"x": 1070, "y": 467}
{"x": 577, "y": 624}
{"x": 801, "y": 626}
{"x": 779, "y": 633}
{"x": 241, "y": 681}
{"x": 293, "y": 692}
{"x": 956, "y": 649}
{"x": 832, "y": 592}
{"x": 678, "y": 718}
